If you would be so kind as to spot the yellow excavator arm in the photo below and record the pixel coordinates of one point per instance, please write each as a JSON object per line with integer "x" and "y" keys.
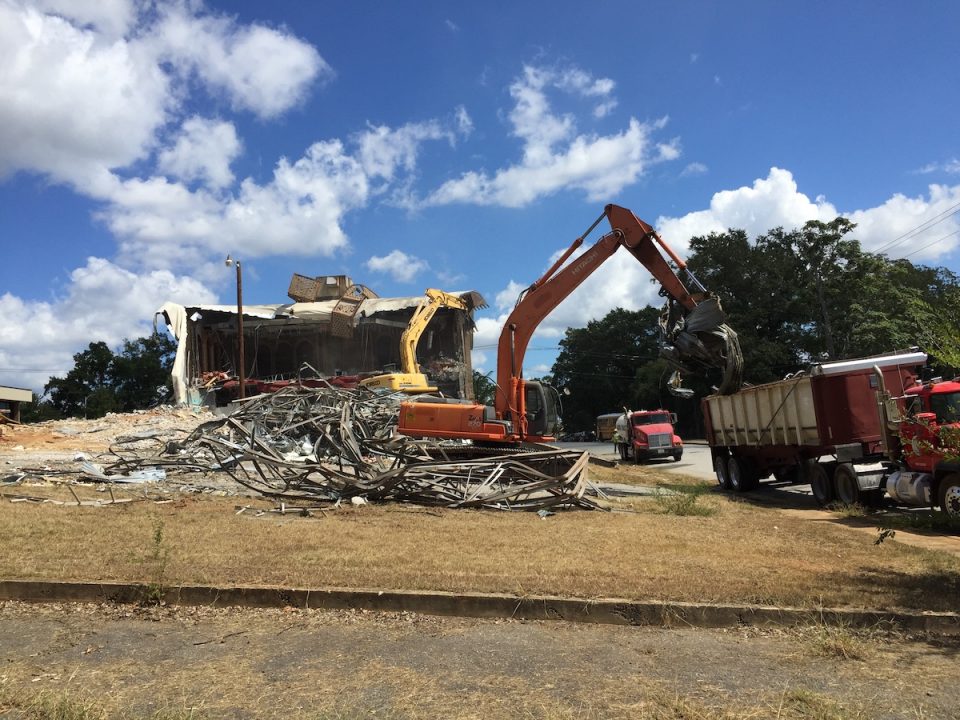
{"x": 410, "y": 379}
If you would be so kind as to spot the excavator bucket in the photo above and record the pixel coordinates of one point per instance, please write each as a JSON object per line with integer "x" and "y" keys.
{"x": 473, "y": 299}
{"x": 698, "y": 340}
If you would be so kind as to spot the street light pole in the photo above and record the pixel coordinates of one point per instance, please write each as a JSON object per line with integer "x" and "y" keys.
{"x": 240, "y": 359}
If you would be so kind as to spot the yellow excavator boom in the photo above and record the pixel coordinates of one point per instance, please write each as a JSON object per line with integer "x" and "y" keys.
{"x": 410, "y": 379}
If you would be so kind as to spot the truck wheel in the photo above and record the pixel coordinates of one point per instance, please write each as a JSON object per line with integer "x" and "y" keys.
{"x": 677, "y": 456}
{"x": 721, "y": 469}
{"x": 820, "y": 484}
{"x": 742, "y": 475}
{"x": 845, "y": 481}
{"x": 949, "y": 494}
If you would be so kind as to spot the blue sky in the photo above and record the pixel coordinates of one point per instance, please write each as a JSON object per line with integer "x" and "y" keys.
{"x": 460, "y": 146}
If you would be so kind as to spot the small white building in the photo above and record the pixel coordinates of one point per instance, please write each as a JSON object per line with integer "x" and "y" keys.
{"x": 10, "y": 399}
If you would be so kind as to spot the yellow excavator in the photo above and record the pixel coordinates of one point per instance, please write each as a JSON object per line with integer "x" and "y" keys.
{"x": 410, "y": 379}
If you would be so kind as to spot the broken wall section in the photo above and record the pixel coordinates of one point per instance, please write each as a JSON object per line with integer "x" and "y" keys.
{"x": 279, "y": 339}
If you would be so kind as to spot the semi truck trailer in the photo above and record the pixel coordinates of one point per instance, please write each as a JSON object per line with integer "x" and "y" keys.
{"x": 855, "y": 430}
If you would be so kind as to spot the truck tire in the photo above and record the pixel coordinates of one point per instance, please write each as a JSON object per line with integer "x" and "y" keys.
{"x": 847, "y": 487}
{"x": 815, "y": 474}
{"x": 677, "y": 456}
{"x": 742, "y": 475}
{"x": 722, "y": 470}
{"x": 949, "y": 495}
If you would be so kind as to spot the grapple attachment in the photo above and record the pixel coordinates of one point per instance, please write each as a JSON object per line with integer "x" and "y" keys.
{"x": 698, "y": 340}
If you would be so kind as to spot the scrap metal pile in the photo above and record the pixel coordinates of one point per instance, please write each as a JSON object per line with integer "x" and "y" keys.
{"x": 330, "y": 444}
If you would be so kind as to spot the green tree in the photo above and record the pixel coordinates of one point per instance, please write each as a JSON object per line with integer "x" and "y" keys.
{"x": 597, "y": 365}
{"x": 758, "y": 289}
{"x": 84, "y": 391}
{"x": 825, "y": 258}
{"x": 484, "y": 387}
{"x": 813, "y": 293}
{"x": 102, "y": 382}
{"x": 140, "y": 373}
{"x": 38, "y": 411}
{"x": 792, "y": 297}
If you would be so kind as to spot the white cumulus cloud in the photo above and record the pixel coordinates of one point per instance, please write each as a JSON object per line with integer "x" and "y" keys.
{"x": 398, "y": 265}
{"x": 204, "y": 150}
{"x": 927, "y": 227}
{"x": 103, "y": 302}
{"x": 767, "y": 203}
{"x": 72, "y": 104}
{"x": 922, "y": 229}
{"x": 384, "y": 150}
{"x": 555, "y": 155}
{"x": 259, "y": 68}
{"x": 112, "y": 18}
{"x": 299, "y": 211}
{"x": 87, "y": 87}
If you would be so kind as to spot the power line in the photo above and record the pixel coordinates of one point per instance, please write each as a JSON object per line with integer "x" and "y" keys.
{"x": 931, "y": 244}
{"x": 529, "y": 349}
{"x": 925, "y": 225}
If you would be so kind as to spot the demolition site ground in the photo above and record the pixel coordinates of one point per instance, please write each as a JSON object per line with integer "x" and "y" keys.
{"x": 686, "y": 542}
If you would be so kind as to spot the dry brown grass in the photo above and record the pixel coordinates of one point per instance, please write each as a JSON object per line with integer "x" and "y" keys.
{"x": 738, "y": 554}
{"x": 106, "y": 661}
{"x": 387, "y": 691}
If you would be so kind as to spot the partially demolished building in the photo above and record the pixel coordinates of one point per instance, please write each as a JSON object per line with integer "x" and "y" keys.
{"x": 333, "y": 328}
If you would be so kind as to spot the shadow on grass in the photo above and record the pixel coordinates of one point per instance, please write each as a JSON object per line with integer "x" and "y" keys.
{"x": 780, "y": 495}
{"x": 933, "y": 588}
{"x": 774, "y": 494}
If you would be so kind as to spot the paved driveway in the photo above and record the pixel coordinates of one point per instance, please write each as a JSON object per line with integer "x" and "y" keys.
{"x": 696, "y": 459}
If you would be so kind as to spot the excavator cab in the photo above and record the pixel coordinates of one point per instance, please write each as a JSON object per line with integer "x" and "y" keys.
{"x": 541, "y": 403}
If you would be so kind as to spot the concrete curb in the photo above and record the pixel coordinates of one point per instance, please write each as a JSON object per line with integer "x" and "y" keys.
{"x": 609, "y": 611}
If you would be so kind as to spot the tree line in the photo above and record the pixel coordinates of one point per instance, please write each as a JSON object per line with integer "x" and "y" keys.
{"x": 793, "y": 297}
{"x": 135, "y": 377}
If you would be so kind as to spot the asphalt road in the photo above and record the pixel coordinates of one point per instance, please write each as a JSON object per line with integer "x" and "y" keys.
{"x": 696, "y": 459}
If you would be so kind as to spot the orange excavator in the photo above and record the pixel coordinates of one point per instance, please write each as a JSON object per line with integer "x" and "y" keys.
{"x": 694, "y": 339}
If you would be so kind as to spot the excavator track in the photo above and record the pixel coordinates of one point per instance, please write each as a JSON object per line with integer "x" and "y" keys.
{"x": 482, "y": 450}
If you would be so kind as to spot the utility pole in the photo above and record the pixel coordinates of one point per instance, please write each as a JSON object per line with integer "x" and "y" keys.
{"x": 240, "y": 359}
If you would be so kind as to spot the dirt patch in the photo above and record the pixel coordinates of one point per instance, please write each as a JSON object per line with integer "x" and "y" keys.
{"x": 298, "y": 664}
{"x": 36, "y": 441}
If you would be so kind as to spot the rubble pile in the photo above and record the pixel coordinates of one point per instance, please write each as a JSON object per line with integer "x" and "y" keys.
{"x": 330, "y": 444}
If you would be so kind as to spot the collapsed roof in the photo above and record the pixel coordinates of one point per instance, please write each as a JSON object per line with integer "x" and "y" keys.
{"x": 332, "y": 339}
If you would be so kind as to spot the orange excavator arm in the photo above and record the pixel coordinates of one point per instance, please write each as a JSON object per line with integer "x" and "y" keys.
{"x": 538, "y": 300}
{"x": 692, "y": 325}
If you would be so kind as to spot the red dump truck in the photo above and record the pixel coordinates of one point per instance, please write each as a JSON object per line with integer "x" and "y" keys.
{"x": 646, "y": 434}
{"x": 855, "y": 430}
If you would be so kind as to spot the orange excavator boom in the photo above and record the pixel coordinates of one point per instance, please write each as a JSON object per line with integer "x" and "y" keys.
{"x": 694, "y": 329}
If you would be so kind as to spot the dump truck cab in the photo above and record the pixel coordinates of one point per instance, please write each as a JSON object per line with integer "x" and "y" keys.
{"x": 930, "y": 408}
{"x": 646, "y": 434}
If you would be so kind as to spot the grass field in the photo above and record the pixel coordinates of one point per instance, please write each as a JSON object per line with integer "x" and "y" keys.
{"x": 698, "y": 546}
